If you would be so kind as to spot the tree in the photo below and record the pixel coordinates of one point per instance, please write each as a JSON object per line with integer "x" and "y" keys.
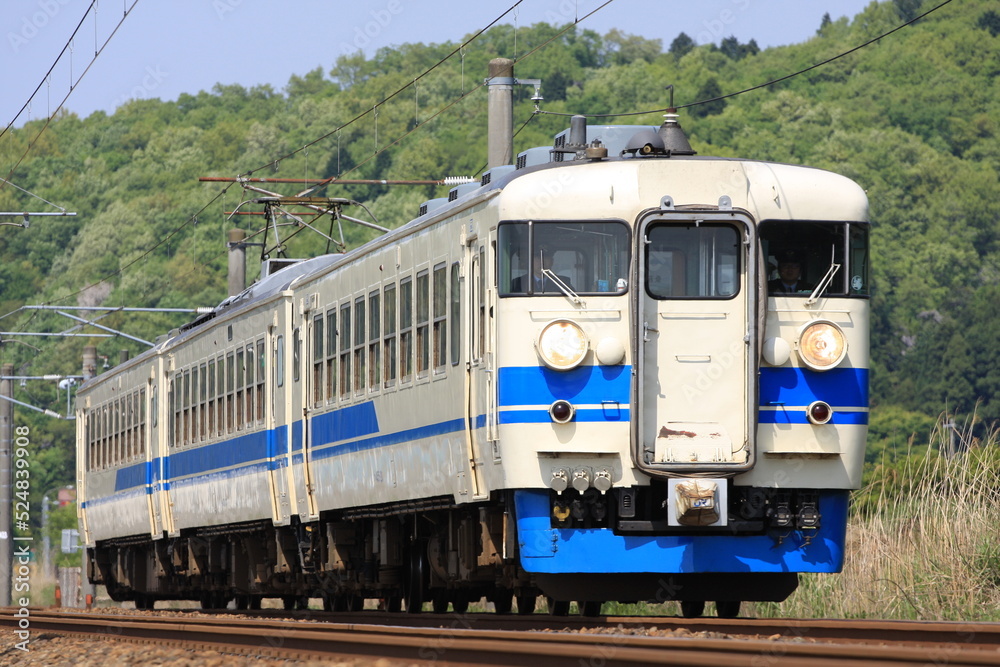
{"x": 709, "y": 91}
{"x": 732, "y": 48}
{"x": 824, "y": 23}
{"x": 625, "y": 48}
{"x": 990, "y": 21}
{"x": 907, "y": 9}
{"x": 681, "y": 46}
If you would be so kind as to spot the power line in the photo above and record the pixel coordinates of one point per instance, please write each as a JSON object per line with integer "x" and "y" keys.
{"x": 761, "y": 85}
{"x": 399, "y": 91}
{"x": 194, "y": 217}
{"x": 51, "y": 69}
{"x": 72, "y": 85}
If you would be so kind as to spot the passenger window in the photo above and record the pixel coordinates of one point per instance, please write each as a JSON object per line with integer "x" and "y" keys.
{"x": 318, "y": 360}
{"x": 279, "y": 361}
{"x": 345, "y": 351}
{"x": 423, "y": 343}
{"x": 331, "y": 354}
{"x": 440, "y": 314}
{"x": 456, "y": 315}
{"x": 389, "y": 344}
{"x": 374, "y": 342}
{"x": 406, "y": 330}
{"x": 359, "y": 344}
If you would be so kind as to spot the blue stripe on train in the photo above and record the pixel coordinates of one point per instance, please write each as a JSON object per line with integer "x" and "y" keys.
{"x": 544, "y": 549}
{"x": 584, "y": 385}
{"x": 798, "y": 416}
{"x": 802, "y": 386}
{"x": 612, "y": 412}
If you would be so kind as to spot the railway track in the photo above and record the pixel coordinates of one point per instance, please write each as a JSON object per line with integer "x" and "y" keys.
{"x": 486, "y": 639}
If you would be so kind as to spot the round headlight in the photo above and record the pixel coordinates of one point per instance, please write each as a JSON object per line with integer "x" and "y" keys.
{"x": 822, "y": 345}
{"x": 562, "y": 345}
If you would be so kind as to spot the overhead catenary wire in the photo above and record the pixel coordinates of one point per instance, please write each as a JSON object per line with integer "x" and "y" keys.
{"x": 72, "y": 86}
{"x": 392, "y": 95}
{"x": 219, "y": 195}
{"x": 465, "y": 95}
{"x": 45, "y": 78}
{"x": 454, "y": 102}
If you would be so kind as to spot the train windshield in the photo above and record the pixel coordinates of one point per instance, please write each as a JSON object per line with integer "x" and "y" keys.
{"x": 581, "y": 257}
{"x": 693, "y": 260}
{"x": 801, "y": 256}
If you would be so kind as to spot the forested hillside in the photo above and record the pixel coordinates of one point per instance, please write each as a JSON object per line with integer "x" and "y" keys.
{"x": 912, "y": 117}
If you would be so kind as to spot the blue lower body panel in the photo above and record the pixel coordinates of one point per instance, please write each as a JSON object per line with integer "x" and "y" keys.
{"x": 547, "y": 550}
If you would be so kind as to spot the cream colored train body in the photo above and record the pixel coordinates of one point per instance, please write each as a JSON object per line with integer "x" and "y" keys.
{"x": 574, "y": 379}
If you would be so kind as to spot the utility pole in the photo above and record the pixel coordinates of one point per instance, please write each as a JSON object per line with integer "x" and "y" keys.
{"x": 86, "y": 588}
{"x": 6, "y": 451}
{"x": 46, "y": 542}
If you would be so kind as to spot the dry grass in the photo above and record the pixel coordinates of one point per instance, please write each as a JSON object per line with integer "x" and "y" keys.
{"x": 923, "y": 544}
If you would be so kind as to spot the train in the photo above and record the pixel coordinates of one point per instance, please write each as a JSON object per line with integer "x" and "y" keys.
{"x": 571, "y": 380}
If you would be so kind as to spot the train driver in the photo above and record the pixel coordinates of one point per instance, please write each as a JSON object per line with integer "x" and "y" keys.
{"x": 789, "y": 280}
{"x": 544, "y": 257}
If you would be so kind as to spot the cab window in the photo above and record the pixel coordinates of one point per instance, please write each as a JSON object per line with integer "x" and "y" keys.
{"x": 551, "y": 258}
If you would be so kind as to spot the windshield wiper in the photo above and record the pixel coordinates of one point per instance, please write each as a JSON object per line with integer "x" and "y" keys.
{"x": 823, "y": 284}
{"x": 563, "y": 287}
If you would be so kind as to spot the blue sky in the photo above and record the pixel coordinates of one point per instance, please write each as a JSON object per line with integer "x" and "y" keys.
{"x": 165, "y": 48}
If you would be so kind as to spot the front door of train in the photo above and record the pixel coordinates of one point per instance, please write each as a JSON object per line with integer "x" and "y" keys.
{"x": 695, "y": 337}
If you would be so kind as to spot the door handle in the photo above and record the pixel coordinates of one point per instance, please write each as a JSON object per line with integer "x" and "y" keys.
{"x": 646, "y": 329}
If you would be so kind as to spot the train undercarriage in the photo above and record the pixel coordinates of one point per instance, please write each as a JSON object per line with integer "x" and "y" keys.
{"x": 405, "y": 555}
{"x": 431, "y": 552}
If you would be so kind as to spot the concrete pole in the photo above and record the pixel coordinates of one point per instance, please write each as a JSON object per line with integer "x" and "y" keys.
{"x": 500, "y": 140}
{"x": 46, "y": 542}
{"x": 89, "y": 372}
{"x": 237, "y": 261}
{"x": 6, "y": 452}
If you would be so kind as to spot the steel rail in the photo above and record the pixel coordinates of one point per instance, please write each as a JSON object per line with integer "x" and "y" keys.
{"x": 455, "y": 643}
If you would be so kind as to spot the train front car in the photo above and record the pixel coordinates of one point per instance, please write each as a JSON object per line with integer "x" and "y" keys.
{"x": 682, "y": 354}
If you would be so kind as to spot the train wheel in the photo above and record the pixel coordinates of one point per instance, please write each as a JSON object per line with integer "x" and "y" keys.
{"x": 416, "y": 586}
{"x": 242, "y": 602}
{"x": 440, "y": 601}
{"x": 214, "y": 601}
{"x": 394, "y": 604}
{"x": 355, "y": 603}
{"x": 727, "y": 608}
{"x": 590, "y": 608}
{"x": 288, "y": 602}
{"x": 558, "y": 607}
{"x": 460, "y": 603}
{"x": 255, "y": 601}
{"x": 503, "y": 601}
{"x": 692, "y": 608}
{"x": 526, "y": 604}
